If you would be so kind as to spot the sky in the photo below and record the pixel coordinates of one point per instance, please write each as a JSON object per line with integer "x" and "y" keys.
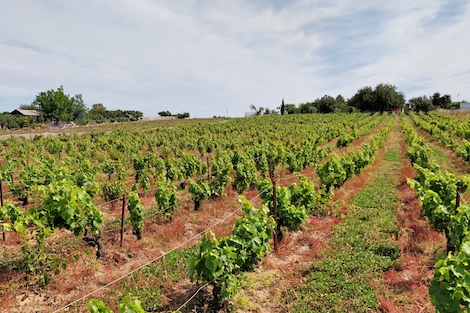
{"x": 219, "y": 57}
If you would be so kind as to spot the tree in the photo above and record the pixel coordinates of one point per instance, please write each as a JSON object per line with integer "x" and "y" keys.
{"x": 342, "y": 105}
{"x": 164, "y": 113}
{"x": 364, "y": 99}
{"x": 98, "y": 112}
{"x": 421, "y": 104}
{"x": 436, "y": 100}
{"x": 258, "y": 111}
{"x": 446, "y": 101}
{"x": 327, "y": 104}
{"x": 8, "y": 121}
{"x": 57, "y": 105}
{"x": 183, "y": 115}
{"x": 283, "y": 107}
{"x": 78, "y": 107}
{"x": 291, "y": 109}
{"x": 384, "y": 97}
{"x": 29, "y": 107}
{"x": 308, "y": 107}
{"x": 441, "y": 102}
{"x": 387, "y": 98}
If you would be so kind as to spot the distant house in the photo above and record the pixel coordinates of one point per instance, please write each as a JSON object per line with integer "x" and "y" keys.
{"x": 33, "y": 115}
{"x": 396, "y": 111}
{"x": 26, "y": 113}
{"x": 464, "y": 105}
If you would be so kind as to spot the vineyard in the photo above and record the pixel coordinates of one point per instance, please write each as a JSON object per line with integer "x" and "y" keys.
{"x": 292, "y": 213}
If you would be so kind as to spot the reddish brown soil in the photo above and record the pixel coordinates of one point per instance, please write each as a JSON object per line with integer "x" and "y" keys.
{"x": 409, "y": 280}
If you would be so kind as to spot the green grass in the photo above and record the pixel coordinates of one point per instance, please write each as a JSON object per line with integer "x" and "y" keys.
{"x": 146, "y": 284}
{"x": 347, "y": 278}
{"x": 439, "y": 156}
{"x": 393, "y": 156}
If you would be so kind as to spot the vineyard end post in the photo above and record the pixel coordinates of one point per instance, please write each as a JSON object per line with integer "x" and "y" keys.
{"x": 1, "y": 204}
{"x": 276, "y": 218}
{"x": 122, "y": 218}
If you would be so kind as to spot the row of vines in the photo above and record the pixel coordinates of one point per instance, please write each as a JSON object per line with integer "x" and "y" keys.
{"x": 450, "y": 132}
{"x": 59, "y": 183}
{"x": 222, "y": 262}
{"x": 439, "y": 193}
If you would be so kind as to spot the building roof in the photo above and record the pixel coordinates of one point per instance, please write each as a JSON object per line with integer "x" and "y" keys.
{"x": 26, "y": 112}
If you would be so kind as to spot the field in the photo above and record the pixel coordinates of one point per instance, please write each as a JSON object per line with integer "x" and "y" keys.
{"x": 363, "y": 224}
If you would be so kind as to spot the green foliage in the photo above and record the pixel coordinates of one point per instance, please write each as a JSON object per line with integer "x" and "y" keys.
{"x": 222, "y": 262}
{"x": 172, "y": 171}
{"x": 245, "y": 175}
{"x": 128, "y": 305}
{"x": 349, "y": 166}
{"x": 112, "y": 190}
{"x": 59, "y": 106}
{"x": 86, "y": 177}
{"x": 8, "y": 121}
{"x": 419, "y": 154}
{"x": 216, "y": 264}
{"x": 437, "y": 195}
{"x": 441, "y": 102}
{"x": 421, "y": 104}
{"x": 361, "y": 159}
{"x": 199, "y": 192}
{"x": 68, "y": 206}
{"x": 304, "y": 194}
{"x": 144, "y": 180}
{"x": 150, "y": 297}
{"x": 331, "y": 173}
{"x": 344, "y": 140}
{"x": 30, "y": 176}
{"x": 165, "y": 195}
{"x": 139, "y": 166}
{"x": 384, "y": 97}
{"x": 463, "y": 149}
{"x": 64, "y": 205}
{"x": 136, "y": 210}
{"x": 437, "y": 192}
{"x": 251, "y": 234}
{"x": 97, "y": 306}
{"x": 459, "y": 226}
{"x": 219, "y": 183}
{"x": 190, "y": 165}
{"x": 450, "y": 287}
{"x": 291, "y": 215}
{"x": 12, "y": 218}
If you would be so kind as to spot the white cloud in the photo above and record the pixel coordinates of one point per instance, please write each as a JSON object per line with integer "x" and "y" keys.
{"x": 204, "y": 57}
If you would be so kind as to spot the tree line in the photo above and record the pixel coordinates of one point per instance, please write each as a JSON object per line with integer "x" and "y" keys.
{"x": 56, "y": 106}
{"x": 382, "y": 98}
{"x": 178, "y": 115}
{"x": 429, "y": 103}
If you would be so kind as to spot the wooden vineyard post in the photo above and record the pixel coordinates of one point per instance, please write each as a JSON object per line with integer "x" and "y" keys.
{"x": 457, "y": 199}
{"x": 122, "y": 218}
{"x": 1, "y": 204}
{"x": 276, "y": 218}
{"x": 208, "y": 167}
